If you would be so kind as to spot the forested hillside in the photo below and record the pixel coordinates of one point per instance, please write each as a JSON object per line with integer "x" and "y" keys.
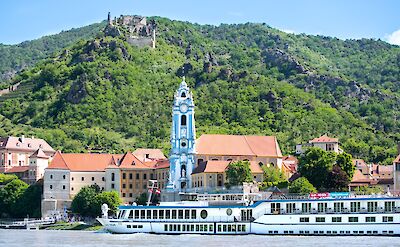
{"x": 14, "y": 58}
{"x": 104, "y": 94}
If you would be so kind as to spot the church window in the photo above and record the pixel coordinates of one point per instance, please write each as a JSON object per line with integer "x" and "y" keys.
{"x": 183, "y": 144}
{"x": 183, "y": 95}
{"x": 183, "y": 120}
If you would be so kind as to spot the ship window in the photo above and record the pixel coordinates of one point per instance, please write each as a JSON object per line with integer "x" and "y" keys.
{"x": 165, "y": 227}
{"x": 155, "y": 214}
{"x": 304, "y": 219}
{"x": 320, "y": 219}
{"x": 161, "y": 214}
{"x": 136, "y": 214}
{"x": 192, "y": 228}
{"x": 370, "y": 219}
{"x": 224, "y": 228}
{"x": 148, "y": 214}
{"x": 167, "y": 214}
{"x": 197, "y": 228}
{"x": 322, "y": 207}
{"x": 211, "y": 228}
{"x": 130, "y": 214}
{"x": 142, "y": 214}
{"x": 187, "y": 214}
{"x": 173, "y": 214}
{"x": 193, "y": 214}
{"x": 183, "y": 120}
{"x": 128, "y": 226}
{"x": 184, "y": 228}
{"x": 387, "y": 219}
{"x": 175, "y": 228}
{"x": 203, "y": 214}
{"x": 306, "y": 207}
{"x": 338, "y": 207}
{"x": 290, "y": 207}
{"x": 353, "y": 219}
{"x": 355, "y": 206}
{"x": 219, "y": 228}
{"x": 179, "y": 228}
{"x": 372, "y": 206}
{"x": 336, "y": 219}
{"x": 170, "y": 227}
{"x": 201, "y": 228}
{"x": 180, "y": 214}
{"x": 389, "y": 206}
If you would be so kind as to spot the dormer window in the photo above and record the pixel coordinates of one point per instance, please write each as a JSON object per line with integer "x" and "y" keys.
{"x": 183, "y": 95}
{"x": 29, "y": 145}
{"x": 17, "y": 144}
{"x": 133, "y": 163}
{"x": 40, "y": 145}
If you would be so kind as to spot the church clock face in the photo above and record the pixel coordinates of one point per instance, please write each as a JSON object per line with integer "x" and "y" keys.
{"x": 183, "y": 108}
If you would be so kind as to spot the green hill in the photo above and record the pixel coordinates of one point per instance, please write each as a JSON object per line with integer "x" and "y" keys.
{"x": 105, "y": 94}
{"x": 14, "y": 58}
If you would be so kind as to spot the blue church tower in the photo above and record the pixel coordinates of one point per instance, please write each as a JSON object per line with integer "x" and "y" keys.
{"x": 183, "y": 137}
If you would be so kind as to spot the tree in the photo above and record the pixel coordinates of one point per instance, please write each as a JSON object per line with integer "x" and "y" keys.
{"x": 338, "y": 180}
{"x": 83, "y": 202}
{"x": 10, "y": 194}
{"x": 315, "y": 165}
{"x": 273, "y": 174}
{"x": 238, "y": 172}
{"x": 141, "y": 199}
{"x": 6, "y": 178}
{"x": 344, "y": 161}
{"x": 29, "y": 203}
{"x": 111, "y": 198}
{"x": 302, "y": 186}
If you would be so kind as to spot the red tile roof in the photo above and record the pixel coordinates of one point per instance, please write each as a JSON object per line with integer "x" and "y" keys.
{"x": 39, "y": 154}
{"x": 266, "y": 146}
{"x": 24, "y": 143}
{"x": 152, "y": 153}
{"x": 82, "y": 161}
{"x": 17, "y": 169}
{"x": 132, "y": 162}
{"x": 324, "y": 138}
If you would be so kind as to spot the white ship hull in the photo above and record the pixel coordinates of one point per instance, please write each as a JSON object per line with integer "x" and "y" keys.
{"x": 351, "y": 216}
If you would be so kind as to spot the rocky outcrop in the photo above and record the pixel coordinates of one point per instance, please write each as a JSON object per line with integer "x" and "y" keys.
{"x": 286, "y": 63}
{"x": 78, "y": 90}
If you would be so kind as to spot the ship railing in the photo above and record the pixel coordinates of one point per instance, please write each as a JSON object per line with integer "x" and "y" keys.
{"x": 207, "y": 219}
{"x": 380, "y": 210}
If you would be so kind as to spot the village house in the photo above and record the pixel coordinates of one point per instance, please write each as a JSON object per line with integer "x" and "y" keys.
{"x": 67, "y": 173}
{"x": 211, "y": 174}
{"x": 25, "y": 157}
{"x": 289, "y": 165}
{"x": 264, "y": 150}
{"x": 372, "y": 175}
{"x": 324, "y": 142}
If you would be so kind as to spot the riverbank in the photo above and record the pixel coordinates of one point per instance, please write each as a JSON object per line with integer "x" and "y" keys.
{"x": 75, "y": 226}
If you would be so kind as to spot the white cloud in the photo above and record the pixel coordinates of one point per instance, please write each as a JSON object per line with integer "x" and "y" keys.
{"x": 394, "y": 38}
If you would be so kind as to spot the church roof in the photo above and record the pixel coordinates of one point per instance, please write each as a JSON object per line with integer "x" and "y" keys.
{"x": 266, "y": 146}
{"x": 151, "y": 153}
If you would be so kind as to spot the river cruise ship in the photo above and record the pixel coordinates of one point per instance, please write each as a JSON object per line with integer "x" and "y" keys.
{"x": 332, "y": 214}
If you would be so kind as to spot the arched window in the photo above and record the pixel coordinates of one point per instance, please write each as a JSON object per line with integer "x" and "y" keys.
{"x": 183, "y": 95}
{"x": 183, "y": 120}
{"x": 260, "y": 164}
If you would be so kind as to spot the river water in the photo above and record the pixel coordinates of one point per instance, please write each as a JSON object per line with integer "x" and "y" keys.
{"x": 25, "y": 238}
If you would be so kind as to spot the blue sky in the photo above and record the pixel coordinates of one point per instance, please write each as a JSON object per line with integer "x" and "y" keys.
{"x": 22, "y": 20}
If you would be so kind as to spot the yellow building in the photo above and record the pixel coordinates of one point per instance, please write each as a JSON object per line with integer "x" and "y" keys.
{"x": 212, "y": 174}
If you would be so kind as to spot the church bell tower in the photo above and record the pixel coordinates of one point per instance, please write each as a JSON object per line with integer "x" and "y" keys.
{"x": 183, "y": 136}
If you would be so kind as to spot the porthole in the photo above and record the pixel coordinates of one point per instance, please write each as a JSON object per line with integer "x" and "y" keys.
{"x": 203, "y": 214}
{"x": 229, "y": 212}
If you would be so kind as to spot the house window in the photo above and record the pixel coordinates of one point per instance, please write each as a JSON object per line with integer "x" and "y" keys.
{"x": 130, "y": 176}
{"x": 137, "y": 175}
{"x": 112, "y": 186}
{"x": 63, "y": 176}
{"x": 124, "y": 175}
{"x": 51, "y": 186}
{"x": 112, "y": 176}
{"x": 130, "y": 186}
{"x": 92, "y": 178}
{"x": 63, "y": 187}
{"x": 183, "y": 120}
{"x": 83, "y": 178}
{"x": 51, "y": 176}
{"x": 102, "y": 179}
{"x": 72, "y": 178}
{"x": 123, "y": 186}
{"x": 144, "y": 176}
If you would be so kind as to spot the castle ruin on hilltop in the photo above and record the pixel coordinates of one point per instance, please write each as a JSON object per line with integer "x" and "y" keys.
{"x": 136, "y": 29}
